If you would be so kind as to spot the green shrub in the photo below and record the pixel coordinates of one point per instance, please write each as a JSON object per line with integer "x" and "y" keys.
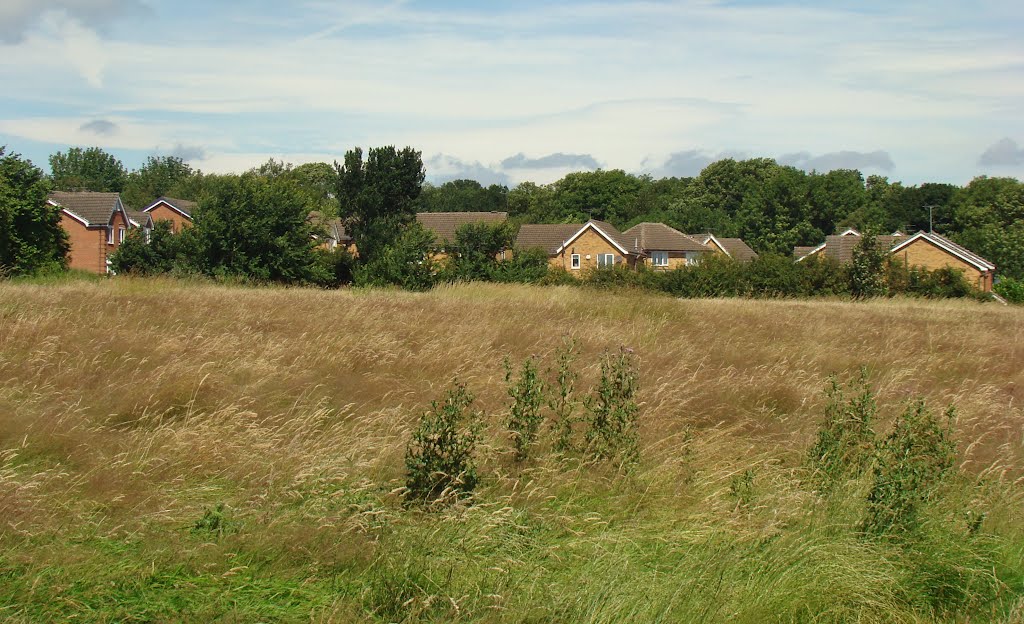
{"x": 1010, "y": 289}
{"x": 911, "y": 465}
{"x": 527, "y": 266}
{"x": 562, "y": 398}
{"x": 612, "y": 431}
{"x": 845, "y": 441}
{"x": 405, "y": 262}
{"x": 439, "y": 459}
{"x": 524, "y": 417}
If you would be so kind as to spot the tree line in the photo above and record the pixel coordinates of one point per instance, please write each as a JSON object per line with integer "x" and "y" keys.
{"x": 254, "y": 225}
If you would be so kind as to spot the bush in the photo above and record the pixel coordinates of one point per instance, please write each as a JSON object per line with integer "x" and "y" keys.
{"x": 528, "y": 396}
{"x": 1010, "y": 289}
{"x": 612, "y": 430}
{"x": 406, "y": 262}
{"x": 912, "y": 463}
{"x": 562, "y": 398}
{"x": 526, "y": 266}
{"x": 439, "y": 459}
{"x": 845, "y": 441}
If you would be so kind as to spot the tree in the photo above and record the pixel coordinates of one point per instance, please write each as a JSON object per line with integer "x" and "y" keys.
{"x": 988, "y": 218}
{"x": 159, "y": 176}
{"x": 137, "y": 256}
{"x": 473, "y": 255}
{"x": 89, "y": 169}
{"x": 31, "y": 237}
{"x": 404, "y": 262}
{"x": 257, "y": 227}
{"x": 867, "y": 276}
{"x": 378, "y": 195}
{"x": 464, "y": 196}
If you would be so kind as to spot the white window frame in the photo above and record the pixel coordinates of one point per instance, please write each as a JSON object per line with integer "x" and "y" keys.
{"x": 659, "y": 258}
{"x": 121, "y": 232}
{"x": 110, "y": 235}
{"x": 605, "y": 260}
{"x": 574, "y": 261}
{"x": 692, "y": 258}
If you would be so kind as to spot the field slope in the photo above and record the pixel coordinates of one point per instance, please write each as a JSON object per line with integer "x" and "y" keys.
{"x": 183, "y": 452}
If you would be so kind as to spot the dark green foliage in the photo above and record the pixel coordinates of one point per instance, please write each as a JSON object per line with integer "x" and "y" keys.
{"x": 845, "y": 442}
{"x": 988, "y": 219}
{"x": 213, "y": 522}
{"x": 866, "y": 270}
{"x": 476, "y": 251}
{"x": 31, "y": 238}
{"x": 378, "y": 197}
{"x": 527, "y": 266}
{"x": 527, "y": 392}
{"x": 612, "y": 430}
{"x": 90, "y": 169}
{"x": 463, "y": 196}
{"x": 1010, "y": 289}
{"x": 256, "y": 227}
{"x": 912, "y": 463}
{"x": 159, "y": 176}
{"x": 404, "y": 262}
{"x": 136, "y": 256}
{"x": 439, "y": 460}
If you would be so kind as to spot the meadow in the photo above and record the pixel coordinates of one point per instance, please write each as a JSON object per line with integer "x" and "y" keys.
{"x": 177, "y": 451}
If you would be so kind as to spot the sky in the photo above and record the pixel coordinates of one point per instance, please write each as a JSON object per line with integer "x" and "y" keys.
{"x": 506, "y": 92}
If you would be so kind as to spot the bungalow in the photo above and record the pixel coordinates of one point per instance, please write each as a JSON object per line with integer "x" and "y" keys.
{"x": 662, "y": 247}
{"x": 734, "y": 248}
{"x": 178, "y": 211}
{"x": 96, "y": 224}
{"x": 333, "y": 235}
{"x": 444, "y": 225}
{"x": 924, "y": 249}
{"x": 573, "y": 247}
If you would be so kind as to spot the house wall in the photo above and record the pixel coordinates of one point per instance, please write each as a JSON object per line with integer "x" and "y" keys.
{"x": 925, "y": 254}
{"x": 590, "y": 243}
{"x": 163, "y": 212}
{"x": 88, "y": 247}
{"x": 676, "y": 259}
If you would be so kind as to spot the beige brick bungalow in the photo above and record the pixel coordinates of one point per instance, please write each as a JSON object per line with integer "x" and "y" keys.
{"x": 664, "y": 248}
{"x": 577, "y": 247}
{"x": 924, "y": 249}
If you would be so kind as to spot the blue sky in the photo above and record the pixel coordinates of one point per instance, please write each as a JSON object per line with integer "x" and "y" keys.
{"x": 514, "y": 91}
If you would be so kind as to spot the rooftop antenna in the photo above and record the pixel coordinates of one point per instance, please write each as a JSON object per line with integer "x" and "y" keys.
{"x": 931, "y": 230}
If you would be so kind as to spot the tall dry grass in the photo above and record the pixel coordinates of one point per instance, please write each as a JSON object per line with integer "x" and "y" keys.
{"x": 130, "y": 409}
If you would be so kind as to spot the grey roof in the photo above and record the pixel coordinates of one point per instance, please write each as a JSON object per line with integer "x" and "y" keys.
{"x": 181, "y": 205}
{"x": 93, "y": 208}
{"x": 551, "y": 236}
{"x": 444, "y": 224}
{"x": 840, "y": 248}
{"x": 144, "y": 219}
{"x": 334, "y": 227}
{"x": 660, "y": 237}
{"x": 941, "y": 241}
{"x": 800, "y": 252}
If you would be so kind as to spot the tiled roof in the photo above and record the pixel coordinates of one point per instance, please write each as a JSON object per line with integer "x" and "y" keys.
{"x": 334, "y": 228}
{"x": 941, "y": 241}
{"x": 144, "y": 219}
{"x": 444, "y": 224}
{"x": 181, "y": 205}
{"x": 660, "y": 237}
{"x": 546, "y": 236}
{"x": 738, "y": 249}
{"x": 840, "y": 248}
{"x": 93, "y": 208}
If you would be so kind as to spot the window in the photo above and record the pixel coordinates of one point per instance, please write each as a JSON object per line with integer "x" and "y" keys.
{"x": 692, "y": 257}
{"x": 605, "y": 260}
{"x": 120, "y": 235}
{"x": 659, "y": 258}
{"x": 575, "y": 261}
{"x": 110, "y": 235}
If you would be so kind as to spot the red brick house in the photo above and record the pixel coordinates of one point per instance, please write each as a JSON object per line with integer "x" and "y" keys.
{"x": 178, "y": 211}
{"x": 97, "y": 224}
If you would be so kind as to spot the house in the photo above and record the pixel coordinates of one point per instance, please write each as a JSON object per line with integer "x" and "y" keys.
{"x": 574, "y": 247}
{"x": 662, "y": 247}
{"x": 96, "y": 224}
{"x": 333, "y": 235}
{"x": 178, "y": 211}
{"x": 445, "y": 224}
{"x": 925, "y": 249}
{"x": 734, "y": 248}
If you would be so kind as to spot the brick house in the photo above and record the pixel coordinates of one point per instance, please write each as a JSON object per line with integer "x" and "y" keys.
{"x": 663, "y": 248}
{"x": 96, "y": 224}
{"x": 735, "y": 248}
{"x": 576, "y": 247}
{"x": 924, "y": 249}
{"x": 178, "y": 211}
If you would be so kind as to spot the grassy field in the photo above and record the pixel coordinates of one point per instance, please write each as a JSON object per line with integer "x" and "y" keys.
{"x": 188, "y": 452}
